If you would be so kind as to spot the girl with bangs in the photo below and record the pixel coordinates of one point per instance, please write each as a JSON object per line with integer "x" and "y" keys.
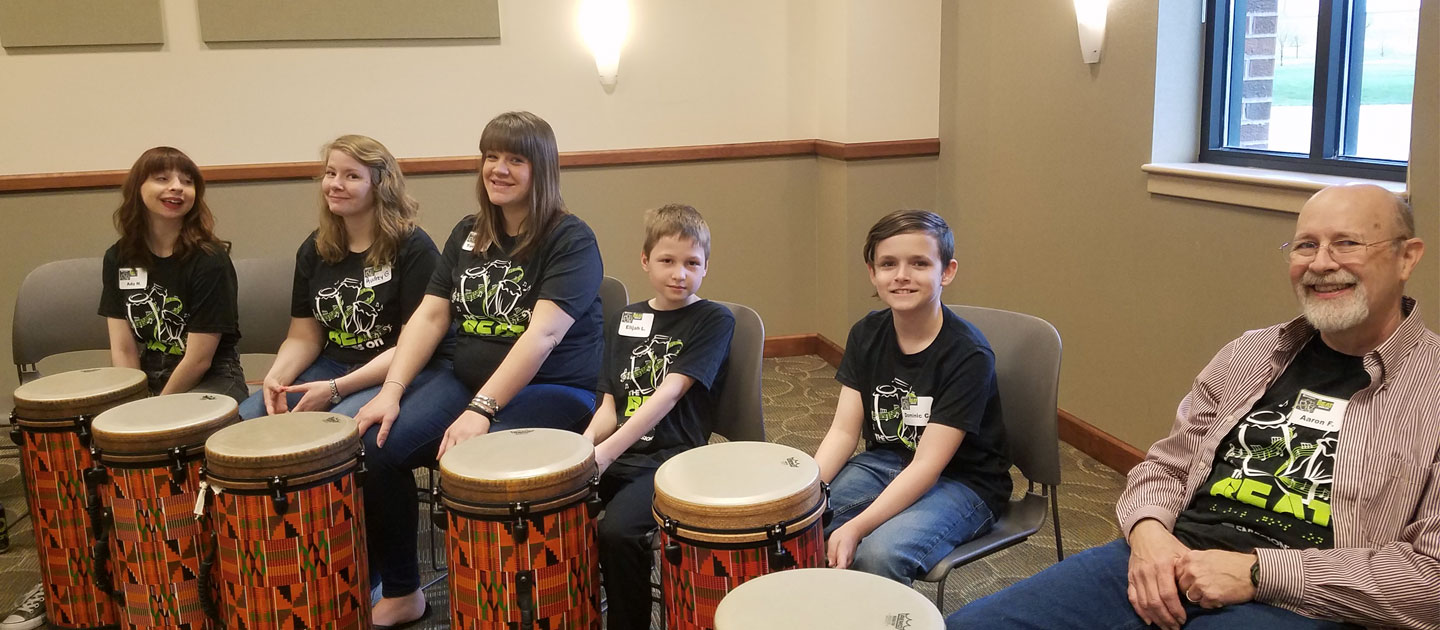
{"x": 519, "y": 280}
{"x": 358, "y": 277}
{"x": 168, "y": 288}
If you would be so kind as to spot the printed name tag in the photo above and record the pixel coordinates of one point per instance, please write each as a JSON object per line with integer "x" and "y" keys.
{"x": 636, "y": 324}
{"x": 375, "y": 276}
{"x": 1318, "y": 411}
{"x": 469, "y": 244}
{"x": 133, "y": 278}
{"x": 915, "y": 410}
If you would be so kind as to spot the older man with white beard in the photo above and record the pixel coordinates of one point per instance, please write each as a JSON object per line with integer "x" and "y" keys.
{"x": 1300, "y": 484}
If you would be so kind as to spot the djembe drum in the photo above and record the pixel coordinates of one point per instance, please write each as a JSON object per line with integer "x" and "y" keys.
{"x": 521, "y": 541}
{"x": 834, "y": 599}
{"x": 729, "y": 513}
{"x": 51, "y": 425}
{"x": 289, "y": 522}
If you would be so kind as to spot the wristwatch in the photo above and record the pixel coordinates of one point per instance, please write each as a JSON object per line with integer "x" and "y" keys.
{"x": 334, "y": 393}
{"x": 1255, "y": 572}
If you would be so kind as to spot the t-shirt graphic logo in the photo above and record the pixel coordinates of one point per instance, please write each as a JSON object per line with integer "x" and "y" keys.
{"x": 887, "y": 404}
{"x": 349, "y": 308}
{"x": 649, "y": 363}
{"x": 157, "y": 319}
{"x": 492, "y": 292}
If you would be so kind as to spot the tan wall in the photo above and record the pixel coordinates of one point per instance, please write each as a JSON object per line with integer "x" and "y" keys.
{"x": 1040, "y": 172}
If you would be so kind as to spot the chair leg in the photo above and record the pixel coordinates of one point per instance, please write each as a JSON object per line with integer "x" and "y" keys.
{"x": 1055, "y": 516}
{"x": 940, "y": 593}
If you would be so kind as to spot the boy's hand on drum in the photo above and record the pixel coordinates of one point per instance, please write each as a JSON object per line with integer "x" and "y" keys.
{"x": 382, "y": 410}
{"x": 840, "y": 549}
{"x": 274, "y": 396}
{"x": 315, "y": 395}
{"x": 468, "y": 425}
{"x": 603, "y": 457}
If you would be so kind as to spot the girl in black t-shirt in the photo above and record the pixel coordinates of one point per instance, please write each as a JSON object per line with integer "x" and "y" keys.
{"x": 520, "y": 281}
{"x": 358, "y": 277}
{"x": 168, "y": 289}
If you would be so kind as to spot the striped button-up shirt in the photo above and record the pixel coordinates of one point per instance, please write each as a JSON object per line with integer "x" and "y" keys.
{"x": 1385, "y": 505}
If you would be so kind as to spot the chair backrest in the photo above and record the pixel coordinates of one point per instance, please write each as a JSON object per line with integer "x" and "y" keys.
{"x": 613, "y": 299}
{"x": 264, "y": 295}
{"x": 1027, "y": 365}
{"x": 739, "y": 414}
{"x": 55, "y": 311}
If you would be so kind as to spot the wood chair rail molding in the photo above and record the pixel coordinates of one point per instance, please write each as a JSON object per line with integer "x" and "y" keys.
{"x": 923, "y": 147}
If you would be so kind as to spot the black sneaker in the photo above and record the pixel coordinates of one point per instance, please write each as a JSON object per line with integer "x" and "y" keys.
{"x": 29, "y": 614}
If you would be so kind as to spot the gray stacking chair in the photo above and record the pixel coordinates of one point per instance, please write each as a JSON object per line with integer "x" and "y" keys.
{"x": 739, "y": 414}
{"x": 55, "y": 313}
{"x": 613, "y": 299}
{"x": 1027, "y": 365}
{"x": 264, "y": 299}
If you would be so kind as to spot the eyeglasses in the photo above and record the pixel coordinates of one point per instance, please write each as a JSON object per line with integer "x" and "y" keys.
{"x": 1343, "y": 250}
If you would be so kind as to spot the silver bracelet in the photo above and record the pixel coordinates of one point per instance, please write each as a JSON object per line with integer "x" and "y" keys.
{"x": 487, "y": 403}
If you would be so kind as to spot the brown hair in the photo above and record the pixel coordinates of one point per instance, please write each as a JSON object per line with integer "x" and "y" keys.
{"x": 530, "y": 137}
{"x": 132, "y": 220}
{"x": 905, "y": 222}
{"x": 395, "y": 211}
{"x": 675, "y": 219}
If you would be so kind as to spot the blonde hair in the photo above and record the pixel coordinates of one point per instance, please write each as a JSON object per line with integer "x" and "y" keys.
{"x": 676, "y": 219}
{"x": 530, "y": 137}
{"x": 394, "y": 213}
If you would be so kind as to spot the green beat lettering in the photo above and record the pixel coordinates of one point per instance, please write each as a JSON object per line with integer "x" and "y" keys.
{"x": 633, "y": 403}
{"x": 1256, "y": 493}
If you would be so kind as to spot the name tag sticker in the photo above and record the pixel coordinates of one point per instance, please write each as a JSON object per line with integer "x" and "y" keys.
{"x": 636, "y": 324}
{"x": 1318, "y": 411}
{"x": 375, "y": 276}
{"x": 915, "y": 410}
{"x": 469, "y": 244}
{"x": 133, "y": 278}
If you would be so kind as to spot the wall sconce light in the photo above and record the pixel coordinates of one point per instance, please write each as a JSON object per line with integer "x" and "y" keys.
{"x": 603, "y": 24}
{"x": 1090, "y": 19}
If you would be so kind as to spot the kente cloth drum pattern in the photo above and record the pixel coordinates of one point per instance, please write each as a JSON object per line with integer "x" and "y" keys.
{"x": 694, "y": 587}
{"x": 158, "y": 544}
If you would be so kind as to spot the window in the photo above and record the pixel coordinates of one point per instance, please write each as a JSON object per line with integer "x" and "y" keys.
{"x": 1321, "y": 86}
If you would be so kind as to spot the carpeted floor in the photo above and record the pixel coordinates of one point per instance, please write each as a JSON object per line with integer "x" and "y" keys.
{"x": 800, "y": 394}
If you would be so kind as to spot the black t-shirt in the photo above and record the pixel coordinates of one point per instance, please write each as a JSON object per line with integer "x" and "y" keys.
{"x": 1270, "y": 485}
{"x": 169, "y": 298}
{"x": 362, "y": 308}
{"x": 951, "y": 382}
{"x": 646, "y": 346}
{"x": 493, "y": 296}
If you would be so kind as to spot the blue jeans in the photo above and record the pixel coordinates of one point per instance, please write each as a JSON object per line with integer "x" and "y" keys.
{"x": 912, "y": 541}
{"x": 392, "y": 509}
{"x": 1088, "y": 590}
{"x": 322, "y": 369}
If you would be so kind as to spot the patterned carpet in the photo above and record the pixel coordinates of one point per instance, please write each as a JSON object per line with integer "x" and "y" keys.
{"x": 800, "y": 395}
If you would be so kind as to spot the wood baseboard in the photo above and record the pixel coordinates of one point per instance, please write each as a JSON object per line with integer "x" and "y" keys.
{"x": 1085, "y": 437}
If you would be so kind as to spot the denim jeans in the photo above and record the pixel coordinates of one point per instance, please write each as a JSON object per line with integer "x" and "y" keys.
{"x": 908, "y": 544}
{"x": 225, "y": 376}
{"x": 322, "y": 369}
{"x": 1088, "y": 590}
{"x": 428, "y": 408}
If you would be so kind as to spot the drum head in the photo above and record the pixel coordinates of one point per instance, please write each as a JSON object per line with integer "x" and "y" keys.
{"x": 81, "y": 391}
{"x": 737, "y": 485}
{"x": 517, "y": 465}
{"x": 286, "y": 444}
{"x": 155, "y": 424}
{"x": 836, "y": 599}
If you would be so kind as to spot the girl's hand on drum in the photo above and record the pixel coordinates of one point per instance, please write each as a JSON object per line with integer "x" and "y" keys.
{"x": 274, "y": 396}
{"x": 315, "y": 395}
{"x": 840, "y": 550}
{"x": 468, "y": 425}
{"x": 381, "y": 410}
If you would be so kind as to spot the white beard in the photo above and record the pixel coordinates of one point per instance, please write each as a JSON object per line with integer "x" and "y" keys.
{"x": 1333, "y": 315}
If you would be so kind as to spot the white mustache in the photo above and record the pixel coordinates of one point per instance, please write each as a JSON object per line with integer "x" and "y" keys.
{"x": 1338, "y": 276}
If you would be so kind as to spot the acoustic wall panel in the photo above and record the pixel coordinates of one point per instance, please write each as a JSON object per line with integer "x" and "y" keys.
{"x": 308, "y": 20}
{"x": 41, "y": 23}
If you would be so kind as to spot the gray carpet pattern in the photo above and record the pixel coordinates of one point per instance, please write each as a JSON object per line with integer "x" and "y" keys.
{"x": 800, "y": 395}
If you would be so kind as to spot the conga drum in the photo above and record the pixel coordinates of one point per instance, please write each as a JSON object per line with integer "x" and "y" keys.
{"x": 729, "y": 513}
{"x": 51, "y": 425}
{"x": 151, "y": 451}
{"x": 521, "y": 540}
{"x": 289, "y": 523}
{"x": 834, "y": 599}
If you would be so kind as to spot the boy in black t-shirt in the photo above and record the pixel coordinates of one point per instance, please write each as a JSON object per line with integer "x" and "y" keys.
{"x": 664, "y": 362}
{"x": 919, "y": 385}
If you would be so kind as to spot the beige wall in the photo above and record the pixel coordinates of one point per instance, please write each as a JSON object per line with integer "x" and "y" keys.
{"x": 691, "y": 73}
{"x": 1040, "y": 172}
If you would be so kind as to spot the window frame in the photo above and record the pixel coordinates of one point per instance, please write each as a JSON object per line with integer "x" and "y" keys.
{"x": 1331, "y": 95}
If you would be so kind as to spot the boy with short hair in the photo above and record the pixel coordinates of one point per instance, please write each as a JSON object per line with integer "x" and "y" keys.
{"x": 664, "y": 362}
{"x": 919, "y": 382}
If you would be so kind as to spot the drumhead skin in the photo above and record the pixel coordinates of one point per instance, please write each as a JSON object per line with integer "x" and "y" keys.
{"x": 156, "y": 424}
{"x": 517, "y": 465}
{"x": 78, "y": 392}
{"x": 282, "y": 445}
{"x": 836, "y": 599}
{"x": 737, "y": 485}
